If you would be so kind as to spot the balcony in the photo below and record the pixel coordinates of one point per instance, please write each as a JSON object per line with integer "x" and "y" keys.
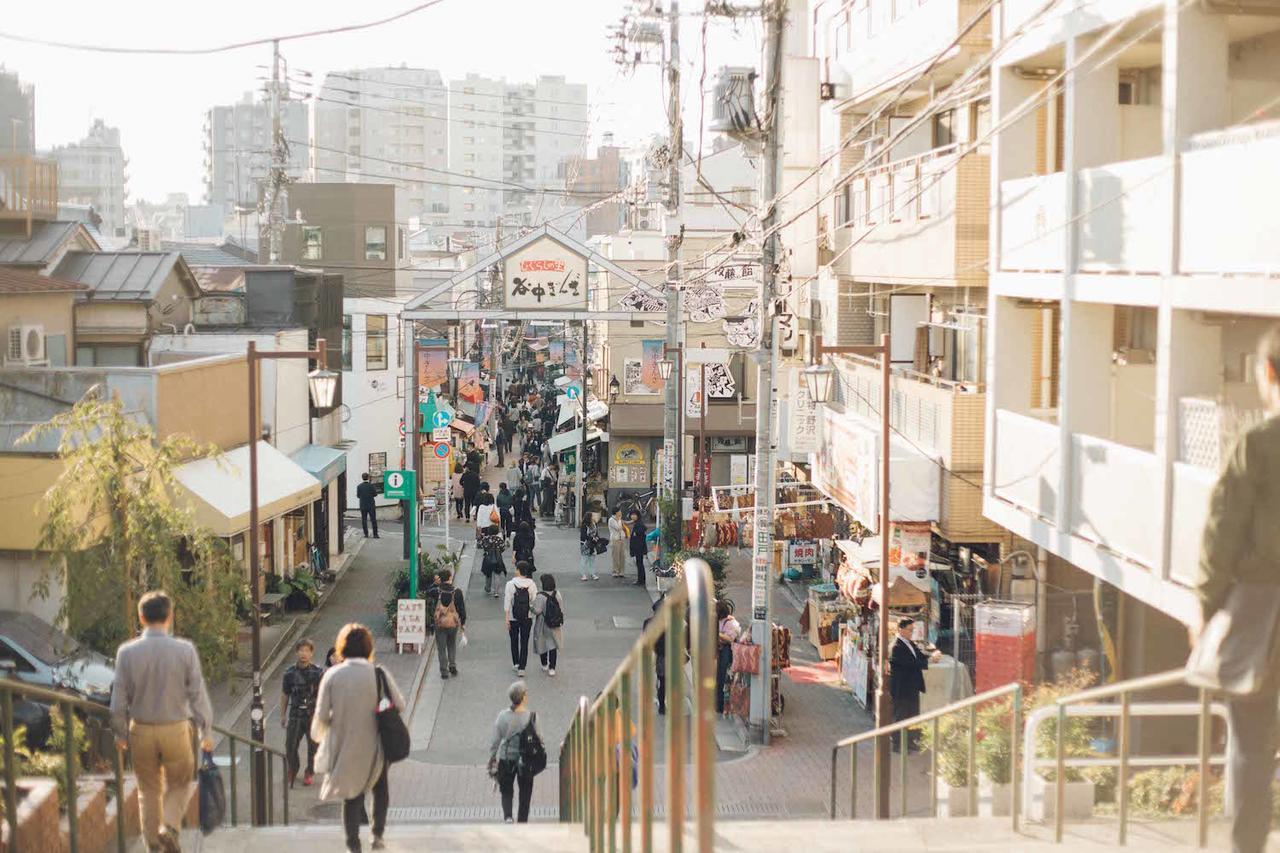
{"x": 1027, "y": 465}
{"x": 1228, "y": 222}
{"x": 937, "y": 220}
{"x": 881, "y": 42}
{"x": 28, "y": 189}
{"x": 1111, "y": 498}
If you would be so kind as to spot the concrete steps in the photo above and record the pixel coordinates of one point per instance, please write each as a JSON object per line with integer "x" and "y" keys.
{"x": 951, "y": 835}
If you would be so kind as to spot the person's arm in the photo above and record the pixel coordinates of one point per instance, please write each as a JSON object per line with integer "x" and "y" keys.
{"x": 508, "y": 593}
{"x": 460, "y": 603}
{"x": 1226, "y": 531}
{"x": 284, "y": 702}
{"x": 320, "y": 719}
{"x": 498, "y": 731}
{"x": 539, "y": 605}
{"x": 198, "y": 698}
{"x": 121, "y": 697}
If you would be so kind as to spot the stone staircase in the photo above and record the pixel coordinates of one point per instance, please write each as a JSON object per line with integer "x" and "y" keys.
{"x": 951, "y": 835}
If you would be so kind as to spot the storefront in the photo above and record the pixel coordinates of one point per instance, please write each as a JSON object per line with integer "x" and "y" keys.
{"x": 326, "y": 464}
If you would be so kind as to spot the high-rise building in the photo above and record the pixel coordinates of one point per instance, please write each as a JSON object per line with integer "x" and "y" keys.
{"x": 238, "y": 149}
{"x": 92, "y": 171}
{"x": 17, "y": 114}
{"x": 588, "y": 180}
{"x": 386, "y": 126}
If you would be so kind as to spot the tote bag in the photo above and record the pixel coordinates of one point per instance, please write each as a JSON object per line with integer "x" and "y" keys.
{"x": 1233, "y": 653}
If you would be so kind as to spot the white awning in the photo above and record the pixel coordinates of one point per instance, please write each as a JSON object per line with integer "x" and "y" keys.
{"x": 219, "y": 487}
{"x": 569, "y": 440}
{"x": 568, "y": 410}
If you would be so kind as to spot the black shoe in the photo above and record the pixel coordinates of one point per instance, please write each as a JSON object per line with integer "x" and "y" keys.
{"x": 453, "y": 670}
{"x": 444, "y": 676}
{"x": 376, "y": 536}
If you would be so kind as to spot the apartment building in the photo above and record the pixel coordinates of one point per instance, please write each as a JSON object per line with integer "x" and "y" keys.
{"x": 895, "y": 160}
{"x": 237, "y": 149}
{"x": 93, "y": 172}
{"x": 545, "y": 121}
{"x": 355, "y": 230}
{"x": 587, "y": 180}
{"x": 387, "y": 125}
{"x": 1132, "y": 265}
{"x": 17, "y": 114}
{"x": 478, "y": 154}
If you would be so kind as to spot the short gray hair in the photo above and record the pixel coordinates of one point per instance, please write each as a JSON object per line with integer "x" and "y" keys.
{"x": 516, "y": 693}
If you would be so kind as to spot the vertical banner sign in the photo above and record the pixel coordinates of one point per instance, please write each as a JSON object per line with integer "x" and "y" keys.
{"x": 802, "y": 420}
{"x": 760, "y": 563}
{"x": 433, "y": 368}
{"x": 669, "y": 466}
{"x": 545, "y": 275}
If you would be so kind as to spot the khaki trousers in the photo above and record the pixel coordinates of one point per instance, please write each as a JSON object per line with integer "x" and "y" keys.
{"x": 164, "y": 748}
{"x": 618, "y": 553}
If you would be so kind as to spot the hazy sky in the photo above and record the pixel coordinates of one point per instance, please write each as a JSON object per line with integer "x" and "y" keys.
{"x": 158, "y": 101}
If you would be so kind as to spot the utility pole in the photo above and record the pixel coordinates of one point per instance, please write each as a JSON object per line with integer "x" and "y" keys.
{"x": 774, "y": 13}
{"x": 275, "y": 219}
{"x": 673, "y": 231}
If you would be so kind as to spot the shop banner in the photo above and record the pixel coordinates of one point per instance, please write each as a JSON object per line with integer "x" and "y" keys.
{"x": 802, "y": 552}
{"x": 738, "y": 469}
{"x": 545, "y": 275}
{"x": 433, "y": 367}
{"x": 909, "y": 547}
{"x": 802, "y": 416}
{"x": 720, "y": 386}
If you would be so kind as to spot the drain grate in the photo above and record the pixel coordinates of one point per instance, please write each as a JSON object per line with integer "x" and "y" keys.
{"x": 461, "y": 814}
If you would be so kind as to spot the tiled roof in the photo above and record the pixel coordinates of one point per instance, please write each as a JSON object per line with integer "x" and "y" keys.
{"x": 45, "y": 239}
{"x": 124, "y": 276}
{"x": 15, "y": 280}
{"x": 202, "y": 255}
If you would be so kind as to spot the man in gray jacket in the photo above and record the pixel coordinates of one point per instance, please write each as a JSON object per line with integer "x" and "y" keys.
{"x": 158, "y": 697}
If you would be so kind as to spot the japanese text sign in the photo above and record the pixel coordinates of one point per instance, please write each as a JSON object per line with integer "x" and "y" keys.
{"x": 545, "y": 275}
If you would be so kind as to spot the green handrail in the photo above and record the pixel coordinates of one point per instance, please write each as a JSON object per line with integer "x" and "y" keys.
{"x": 970, "y": 704}
{"x": 70, "y": 704}
{"x": 596, "y": 753}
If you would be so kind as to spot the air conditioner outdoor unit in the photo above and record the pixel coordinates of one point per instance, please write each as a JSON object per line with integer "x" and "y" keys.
{"x": 33, "y": 344}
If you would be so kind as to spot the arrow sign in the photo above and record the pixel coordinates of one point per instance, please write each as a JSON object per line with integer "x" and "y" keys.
{"x": 441, "y": 419}
{"x": 572, "y": 392}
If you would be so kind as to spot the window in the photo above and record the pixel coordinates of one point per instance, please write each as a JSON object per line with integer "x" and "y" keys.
{"x": 346, "y": 341}
{"x": 944, "y": 128}
{"x": 375, "y": 342}
{"x": 377, "y": 466}
{"x": 375, "y": 243}
{"x": 312, "y": 243}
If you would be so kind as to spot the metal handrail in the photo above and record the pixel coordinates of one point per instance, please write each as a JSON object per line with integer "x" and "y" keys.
{"x": 69, "y": 703}
{"x": 971, "y": 703}
{"x": 595, "y": 755}
{"x": 1124, "y": 691}
{"x": 272, "y": 752}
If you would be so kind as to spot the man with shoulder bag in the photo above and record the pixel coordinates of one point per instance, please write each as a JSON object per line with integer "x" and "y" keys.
{"x": 1236, "y": 645}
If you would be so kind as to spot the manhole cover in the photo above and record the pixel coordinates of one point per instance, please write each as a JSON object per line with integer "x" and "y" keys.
{"x": 461, "y": 814}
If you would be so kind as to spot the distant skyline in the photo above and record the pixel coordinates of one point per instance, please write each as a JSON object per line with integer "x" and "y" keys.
{"x": 158, "y": 101}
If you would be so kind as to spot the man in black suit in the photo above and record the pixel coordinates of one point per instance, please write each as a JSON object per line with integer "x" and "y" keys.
{"x": 366, "y": 492}
{"x": 907, "y": 664}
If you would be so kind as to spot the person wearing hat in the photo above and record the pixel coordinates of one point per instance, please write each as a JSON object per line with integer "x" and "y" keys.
{"x": 907, "y": 663}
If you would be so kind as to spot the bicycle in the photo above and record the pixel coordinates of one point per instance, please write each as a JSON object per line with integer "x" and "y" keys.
{"x": 646, "y": 503}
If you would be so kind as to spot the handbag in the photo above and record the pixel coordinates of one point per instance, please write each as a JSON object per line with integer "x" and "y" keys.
{"x": 746, "y": 658}
{"x": 392, "y": 732}
{"x": 213, "y": 796}
{"x": 1233, "y": 653}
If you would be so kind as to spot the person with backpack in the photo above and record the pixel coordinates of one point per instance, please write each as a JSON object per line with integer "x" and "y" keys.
{"x": 485, "y": 513}
{"x": 588, "y": 546}
{"x": 492, "y": 544}
{"x": 504, "y": 501}
{"x": 516, "y": 753}
{"x": 517, "y": 607}
{"x": 548, "y": 620}
{"x": 450, "y": 619}
{"x": 345, "y": 724}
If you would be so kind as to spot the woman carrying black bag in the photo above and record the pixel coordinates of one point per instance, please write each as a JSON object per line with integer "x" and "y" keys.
{"x": 492, "y": 544}
{"x": 508, "y": 756}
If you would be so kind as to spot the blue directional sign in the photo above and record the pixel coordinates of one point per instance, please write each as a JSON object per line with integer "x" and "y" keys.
{"x": 572, "y": 392}
{"x": 441, "y": 419}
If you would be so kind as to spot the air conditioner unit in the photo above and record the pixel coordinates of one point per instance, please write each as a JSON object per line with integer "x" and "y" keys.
{"x": 25, "y": 346}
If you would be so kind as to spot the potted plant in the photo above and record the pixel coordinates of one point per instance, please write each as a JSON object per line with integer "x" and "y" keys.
{"x": 995, "y": 759}
{"x": 300, "y": 591}
{"x": 952, "y": 748}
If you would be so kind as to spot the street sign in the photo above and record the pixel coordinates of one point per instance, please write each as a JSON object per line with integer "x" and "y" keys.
{"x": 411, "y": 621}
{"x": 572, "y": 392}
{"x": 402, "y": 428}
{"x": 441, "y": 419}
{"x": 439, "y": 434}
{"x": 441, "y": 450}
{"x": 397, "y": 485}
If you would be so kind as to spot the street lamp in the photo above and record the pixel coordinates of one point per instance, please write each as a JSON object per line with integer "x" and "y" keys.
{"x": 665, "y": 366}
{"x": 615, "y": 388}
{"x": 322, "y": 383}
{"x": 455, "y": 373}
{"x": 818, "y": 379}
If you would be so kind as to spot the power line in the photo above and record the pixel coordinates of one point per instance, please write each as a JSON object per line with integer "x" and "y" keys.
{"x": 204, "y": 51}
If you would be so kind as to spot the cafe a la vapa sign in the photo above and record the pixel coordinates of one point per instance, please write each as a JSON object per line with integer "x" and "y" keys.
{"x": 545, "y": 275}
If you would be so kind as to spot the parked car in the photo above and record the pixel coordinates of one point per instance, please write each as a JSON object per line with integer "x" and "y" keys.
{"x": 33, "y": 716}
{"x": 44, "y": 656}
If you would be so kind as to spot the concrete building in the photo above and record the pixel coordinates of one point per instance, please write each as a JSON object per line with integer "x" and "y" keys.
{"x": 386, "y": 126}
{"x": 237, "y": 149}
{"x": 589, "y": 179}
{"x": 358, "y": 231}
{"x": 38, "y": 316}
{"x": 17, "y": 114}
{"x": 1133, "y": 254}
{"x": 93, "y": 171}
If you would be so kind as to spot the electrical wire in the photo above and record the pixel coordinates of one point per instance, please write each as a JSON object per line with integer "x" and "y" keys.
{"x": 512, "y": 115}
{"x": 449, "y": 91}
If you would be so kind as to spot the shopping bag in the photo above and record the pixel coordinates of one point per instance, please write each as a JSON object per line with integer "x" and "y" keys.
{"x": 462, "y": 639}
{"x": 213, "y": 796}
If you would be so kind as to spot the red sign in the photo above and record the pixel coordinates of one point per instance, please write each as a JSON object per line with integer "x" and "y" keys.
{"x": 542, "y": 266}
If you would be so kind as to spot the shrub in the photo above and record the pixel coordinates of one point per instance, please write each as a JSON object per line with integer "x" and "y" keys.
{"x": 428, "y": 564}
{"x": 995, "y": 750}
{"x": 952, "y": 747}
{"x": 717, "y": 558}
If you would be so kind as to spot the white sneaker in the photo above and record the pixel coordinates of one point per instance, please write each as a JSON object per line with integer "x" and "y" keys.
{"x": 551, "y": 672}
{"x": 583, "y": 578}
{"x": 543, "y": 666}
{"x": 595, "y": 577}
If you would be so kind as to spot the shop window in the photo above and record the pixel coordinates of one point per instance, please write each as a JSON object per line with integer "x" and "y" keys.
{"x": 312, "y": 243}
{"x": 375, "y": 243}
{"x": 346, "y": 341}
{"x": 295, "y": 538}
{"x": 375, "y": 342}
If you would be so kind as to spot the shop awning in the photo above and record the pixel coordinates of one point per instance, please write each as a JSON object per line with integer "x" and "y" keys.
{"x": 219, "y": 487}
{"x": 464, "y": 427}
{"x": 569, "y": 440}
{"x": 323, "y": 463}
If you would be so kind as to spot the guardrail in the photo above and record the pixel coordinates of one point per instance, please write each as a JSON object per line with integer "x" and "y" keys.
{"x": 971, "y": 704}
{"x": 100, "y": 743}
{"x": 232, "y": 764}
{"x": 596, "y": 753}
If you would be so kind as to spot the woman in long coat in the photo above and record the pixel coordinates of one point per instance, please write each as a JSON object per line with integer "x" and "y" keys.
{"x": 545, "y": 640}
{"x": 345, "y": 725}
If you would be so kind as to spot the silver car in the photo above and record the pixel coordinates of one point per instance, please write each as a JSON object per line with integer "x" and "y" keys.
{"x": 44, "y": 656}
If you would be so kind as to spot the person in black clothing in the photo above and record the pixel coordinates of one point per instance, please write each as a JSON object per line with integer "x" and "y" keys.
{"x": 448, "y": 598}
{"x": 523, "y": 544}
{"x": 638, "y": 546}
{"x": 659, "y": 658}
{"x": 520, "y": 511}
{"x": 297, "y": 704}
{"x": 504, "y": 501}
{"x": 470, "y": 488}
{"x": 365, "y": 493}
{"x": 907, "y": 664}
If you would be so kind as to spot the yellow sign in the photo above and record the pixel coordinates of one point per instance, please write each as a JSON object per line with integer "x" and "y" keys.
{"x": 628, "y": 453}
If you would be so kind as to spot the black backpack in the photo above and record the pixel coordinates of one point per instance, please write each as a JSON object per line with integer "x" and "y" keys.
{"x": 520, "y": 603}
{"x": 533, "y": 755}
{"x": 552, "y": 614}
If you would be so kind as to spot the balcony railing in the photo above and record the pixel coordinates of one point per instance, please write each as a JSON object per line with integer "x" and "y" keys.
{"x": 28, "y": 189}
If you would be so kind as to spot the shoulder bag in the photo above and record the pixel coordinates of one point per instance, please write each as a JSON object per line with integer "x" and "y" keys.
{"x": 1233, "y": 653}
{"x": 392, "y": 732}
